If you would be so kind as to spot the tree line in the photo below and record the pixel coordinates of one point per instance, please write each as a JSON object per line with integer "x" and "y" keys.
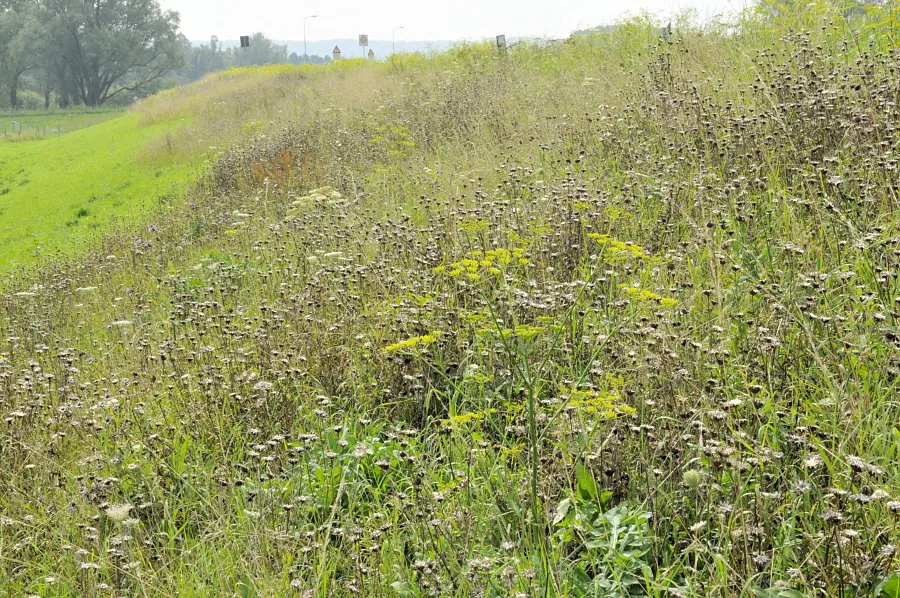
{"x": 214, "y": 56}
{"x": 95, "y": 52}
{"x": 86, "y": 51}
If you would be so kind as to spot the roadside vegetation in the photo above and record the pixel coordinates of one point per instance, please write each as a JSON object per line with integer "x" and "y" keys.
{"x": 612, "y": 317}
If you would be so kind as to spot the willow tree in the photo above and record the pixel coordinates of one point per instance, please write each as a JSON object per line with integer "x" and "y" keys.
{"x": 110, "y": 47}
{"x": 20, "y": 38}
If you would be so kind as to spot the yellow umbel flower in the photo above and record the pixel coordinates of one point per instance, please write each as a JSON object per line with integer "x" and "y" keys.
{"x": 428, "y": 339}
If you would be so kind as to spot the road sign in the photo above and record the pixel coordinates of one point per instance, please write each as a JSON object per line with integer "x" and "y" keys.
{"x": 501, "y": 42}
{"x": 245, "y": 41}
{"x": 371, "y": 53}
{"x": 363, "y": 40}
{"x": 336, "y": 53}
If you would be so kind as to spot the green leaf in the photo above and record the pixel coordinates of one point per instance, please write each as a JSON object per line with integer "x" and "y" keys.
{"x": 889, "y": 588}
{"x": 562, "y": 509}
{"x": 604, "y": 498}
{"x": 587, "y": 486}
{"x": 246, "y": 588}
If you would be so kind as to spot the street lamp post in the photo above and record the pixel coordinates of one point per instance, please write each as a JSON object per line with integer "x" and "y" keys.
{"x": 305, "y": 53}
{"x": 394, "y": 38}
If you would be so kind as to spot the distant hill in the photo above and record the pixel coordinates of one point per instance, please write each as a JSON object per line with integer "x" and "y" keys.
{"x": 350, "y": 47}
{"x": 598, "y": 29}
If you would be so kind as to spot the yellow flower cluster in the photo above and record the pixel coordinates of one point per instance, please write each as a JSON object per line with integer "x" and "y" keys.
{"x": 465, "y": 418}
{"x": 493, "y": 261}
{"x": 396, "y": 138}
{"x": 620, "y": 247}
{"x": 474, "y": 317}
{"x": 474, "y": 225}
{"x": 645, "y": 295}
{"x": 524, "y": 332}
{"x": 427, "y": 339}
{"x": 609, "y": 405}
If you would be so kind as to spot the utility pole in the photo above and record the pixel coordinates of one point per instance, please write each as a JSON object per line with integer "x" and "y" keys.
{"x": 305, "y": 53}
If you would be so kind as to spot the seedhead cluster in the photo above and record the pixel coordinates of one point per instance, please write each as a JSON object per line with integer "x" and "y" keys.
{"x": 486, "y": 338}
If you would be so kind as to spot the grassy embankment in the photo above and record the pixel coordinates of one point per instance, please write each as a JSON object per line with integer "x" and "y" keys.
{"x": 63, "y": 193}
{"x": 614, "y": 317}
{"x": 28, "y": 126}
{"x": 59, "y": 194}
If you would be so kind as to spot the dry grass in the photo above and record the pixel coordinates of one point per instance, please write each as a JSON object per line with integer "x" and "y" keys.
{"x": 234, "y": 105}
{"x": 613, "y": 317}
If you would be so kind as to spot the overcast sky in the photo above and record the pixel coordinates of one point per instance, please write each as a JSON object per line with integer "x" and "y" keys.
{"x": 423, "y": 19}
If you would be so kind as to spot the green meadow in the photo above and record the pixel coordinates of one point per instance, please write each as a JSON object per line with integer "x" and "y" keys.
{"x": 59, "y": 193}
{"x": 27, "y": 126}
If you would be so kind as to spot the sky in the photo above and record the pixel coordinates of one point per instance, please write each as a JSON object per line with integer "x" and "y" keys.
{"x": 422, "y": 19}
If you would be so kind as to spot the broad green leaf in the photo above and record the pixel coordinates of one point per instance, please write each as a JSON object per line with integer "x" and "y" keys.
{"x": 562, "y": 509}
{"x": 587, "y": 486}
{"x": 889, "y": 588}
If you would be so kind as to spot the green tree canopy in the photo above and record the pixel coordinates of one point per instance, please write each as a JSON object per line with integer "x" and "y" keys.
{"x": 110, "y": 47}
{"x": 262, "y": 50}
{"x": 20, "y": 39}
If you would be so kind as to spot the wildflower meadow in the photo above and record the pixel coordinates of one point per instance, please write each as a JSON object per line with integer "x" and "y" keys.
{"x": 617, "y": 315}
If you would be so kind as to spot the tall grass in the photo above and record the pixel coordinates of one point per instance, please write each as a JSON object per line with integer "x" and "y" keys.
{"x": 616, "y": 316}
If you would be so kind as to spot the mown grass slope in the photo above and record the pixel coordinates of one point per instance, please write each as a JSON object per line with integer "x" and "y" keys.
{"x": 27, "y": 126}
{"x": 59, "y": 193}
{"x": 615, "y": 317}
